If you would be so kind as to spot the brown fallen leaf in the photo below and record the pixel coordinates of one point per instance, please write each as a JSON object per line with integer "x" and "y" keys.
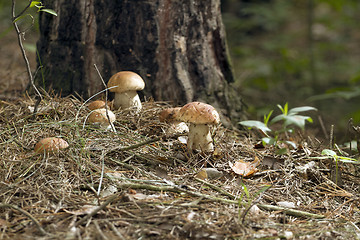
{"x": 86, "y": 209}
{"x": 245, "y": 169}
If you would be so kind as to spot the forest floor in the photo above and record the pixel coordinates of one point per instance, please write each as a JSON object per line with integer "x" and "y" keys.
{"x": 139, "y": 183}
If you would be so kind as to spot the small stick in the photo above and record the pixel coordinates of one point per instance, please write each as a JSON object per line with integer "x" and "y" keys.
{"x": 216, "y": 188}
{"x": 175, "y": 189}
{"x": 102, "y": 173}
{"x": 331, "y": 137}
{"x": 106, "y": 97}
{"x": 6, "y": 205}
{"x": 22, "y": 48}
{"x": 323, "y": 127}
{"x": 96, "y": 210}
{"x": 137, "y": 145}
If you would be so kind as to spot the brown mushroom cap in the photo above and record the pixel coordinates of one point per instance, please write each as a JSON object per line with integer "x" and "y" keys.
{"x": 97, "y": 104}
{"x": 126, "y": 81}
{"x": 169, "y": 114}
{"x": 198, "y": 113}
{"x": 50, "y": 144}
{"x": 99, "y": 116}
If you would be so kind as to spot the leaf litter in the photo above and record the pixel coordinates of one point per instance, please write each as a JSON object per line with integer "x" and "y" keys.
{"x": 139, "y": 182}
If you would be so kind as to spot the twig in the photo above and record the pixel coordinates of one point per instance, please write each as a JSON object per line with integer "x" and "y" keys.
{"x": 6, "y": 205}
{"x": 176, "y": 189}
{"x": 331, "y": 137}
{"x": 323, "y": 127}
{"x": 137, "y": 145}
{"x": 115, "y": 230}
{"x": 100, "y": 231}
{"x": 22, "y": 48}
{"x": 96, "y": 210}
{"x": 102, "y": 172}
{"x": 22, "y": 12}
{"x": 106, "y": 97}
{"x": 216, "y": 188}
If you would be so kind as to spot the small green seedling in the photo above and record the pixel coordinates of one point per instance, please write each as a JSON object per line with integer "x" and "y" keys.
{"x": 290, "y": 119}
{"x": 251, "y": 200}
{"x": 328, "y": 153}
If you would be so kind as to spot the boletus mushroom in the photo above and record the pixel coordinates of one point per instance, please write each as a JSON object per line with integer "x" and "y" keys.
{"x": 169, "y": 115}
{"x": 99, "y": 117}
{"x": 126, "y": 84}
{"x": 200, "y": 116}
{"x": 97, "y": 104}
{"x": 50, "y": 145}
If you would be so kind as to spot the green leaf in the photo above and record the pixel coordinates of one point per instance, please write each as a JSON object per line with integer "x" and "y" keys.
{"x": 22, "y": 16}
{"x": 267, "y": 117}
{"x": 268, "y": 141}
{"x": 34, "y": 3}
{"x": 329, "y": 153}
{"x": 296, "y": 110}
{"x": 284, "y": 109}
{"x": 263, "y": 189}
{"x": 291, "y": 143}
{"x": 245, "y": 190}
{"x": 255, "y": 124}
{"x": 278, "y": 118}
{"x": 50, "y": 11}
{"x": 353, "y": 161}
{"x": 281, "y": 151}
{"x": 296, "y": 120}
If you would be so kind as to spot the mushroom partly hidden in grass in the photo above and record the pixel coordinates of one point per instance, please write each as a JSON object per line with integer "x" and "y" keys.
{"x": 169, "y": 115}
{"x": 50, "y": 145}
{"x": 99, "y": 117}
{"x": 126, "y": 84}
{"x": 200, "y": 116}
{"x": 97, "y": 104}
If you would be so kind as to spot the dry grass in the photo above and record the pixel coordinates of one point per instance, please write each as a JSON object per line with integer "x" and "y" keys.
{"x": 138, "y": 183}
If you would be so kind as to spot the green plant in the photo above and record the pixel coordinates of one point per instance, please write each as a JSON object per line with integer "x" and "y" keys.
{"x": 290, "y": 119}
{"x": 328, "y": 153}
{"x": 251, "y": 200}
{"x": 15, "y": 19}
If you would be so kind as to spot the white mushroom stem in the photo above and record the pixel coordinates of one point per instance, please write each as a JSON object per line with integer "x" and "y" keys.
{"x": 129, "y": 99}
{"x": 199, "y": 137}
{"x": 107, "y": 126}
{"x": 178, "y": 127}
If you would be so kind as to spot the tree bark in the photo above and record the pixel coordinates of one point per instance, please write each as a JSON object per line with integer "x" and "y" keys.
{"x": 178, "y": 47}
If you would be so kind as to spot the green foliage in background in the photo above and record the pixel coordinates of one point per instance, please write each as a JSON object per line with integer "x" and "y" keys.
{"x": 296, "y": 51}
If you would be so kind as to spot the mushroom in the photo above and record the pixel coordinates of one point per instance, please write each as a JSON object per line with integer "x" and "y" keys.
{"x": 50, "y": 145}
{"x": 97, "y": 104}
{"x": 99, "y": 117}
{"x": 125, "y": 85}
{"x": 200, "y": 116}
{"x": 169, "y": 115}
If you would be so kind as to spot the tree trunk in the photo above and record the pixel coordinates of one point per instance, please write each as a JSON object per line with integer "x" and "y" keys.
{"x": 178, "y": 47}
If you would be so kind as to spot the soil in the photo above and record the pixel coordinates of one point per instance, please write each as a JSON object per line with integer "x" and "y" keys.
{"x": 141, "y": 183}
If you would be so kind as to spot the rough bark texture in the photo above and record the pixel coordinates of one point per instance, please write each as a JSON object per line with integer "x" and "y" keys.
{"x": 178, "y": 47}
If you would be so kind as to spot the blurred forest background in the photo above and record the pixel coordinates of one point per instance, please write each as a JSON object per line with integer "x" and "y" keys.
{"x": 305, "y": 52}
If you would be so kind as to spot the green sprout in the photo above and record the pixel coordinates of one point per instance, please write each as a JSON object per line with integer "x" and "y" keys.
{"x": 290, "y": 119}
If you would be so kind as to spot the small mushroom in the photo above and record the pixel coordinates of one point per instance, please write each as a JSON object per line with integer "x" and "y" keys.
{"x": 97, "y": 104}
{"x": 126, "y": 84}
{"x": 200, "y": 116}
{"x": 50, "y": 145}
{"x": 99, "y": 117}
{"x": 169, "y": 115}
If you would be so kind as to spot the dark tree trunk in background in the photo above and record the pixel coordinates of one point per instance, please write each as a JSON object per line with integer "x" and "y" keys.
{"x": 178, "y": 47}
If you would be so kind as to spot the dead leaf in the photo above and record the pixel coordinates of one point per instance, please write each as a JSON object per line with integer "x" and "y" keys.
{"x": 209, "y": 173}
{"x": 202, "y": 174}
{"x": 4, "y": 223}
{"x": 86, "y": 209}
{"x": 245, "y": 169}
